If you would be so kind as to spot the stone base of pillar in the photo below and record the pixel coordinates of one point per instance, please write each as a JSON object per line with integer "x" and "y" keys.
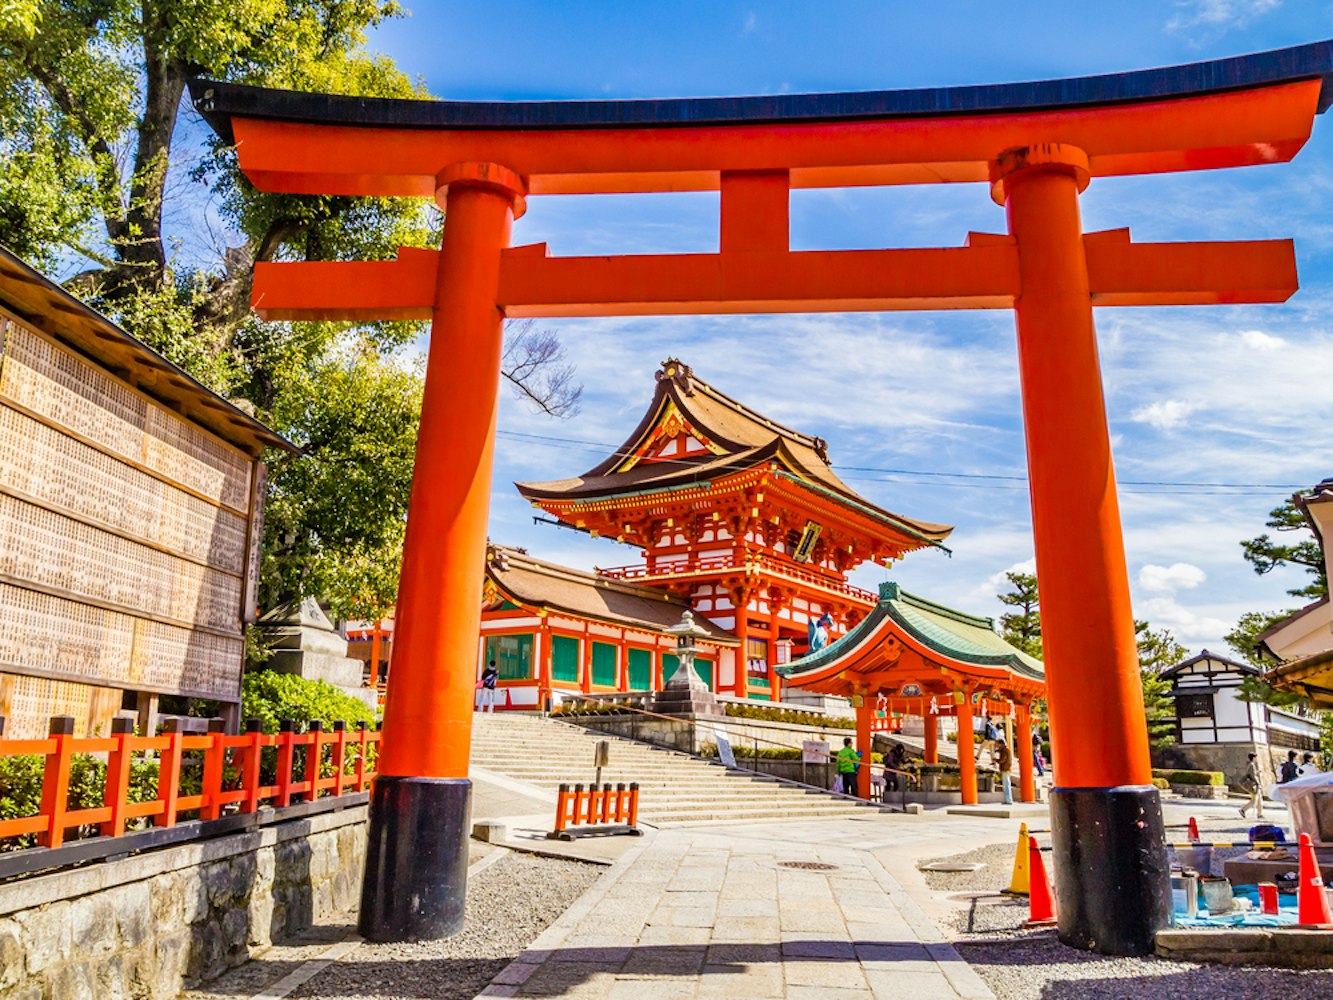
{"x": 416, "y": 859}
{"x": 685, "y": 701}
{"x": 1112, "y": 877}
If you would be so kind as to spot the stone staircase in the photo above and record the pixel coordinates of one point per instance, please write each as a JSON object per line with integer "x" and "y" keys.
{"x": 674, "y": 788}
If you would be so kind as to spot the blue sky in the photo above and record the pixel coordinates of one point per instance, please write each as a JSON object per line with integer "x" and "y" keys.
{"x": 918, "y": 406}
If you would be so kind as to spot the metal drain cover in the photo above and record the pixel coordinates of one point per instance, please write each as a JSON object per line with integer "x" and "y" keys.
{"x": 808, "y": 866}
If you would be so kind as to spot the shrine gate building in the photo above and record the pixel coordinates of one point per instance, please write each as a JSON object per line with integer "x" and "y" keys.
{"x": 740, "y": 519}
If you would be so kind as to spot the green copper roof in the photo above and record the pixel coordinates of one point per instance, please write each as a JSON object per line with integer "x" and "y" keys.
{"x": 953, "y": 634}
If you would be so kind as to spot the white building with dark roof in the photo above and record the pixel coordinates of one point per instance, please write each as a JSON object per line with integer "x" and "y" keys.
{"x": 1217, "y": 731}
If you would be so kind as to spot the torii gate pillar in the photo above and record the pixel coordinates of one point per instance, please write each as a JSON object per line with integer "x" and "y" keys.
{"x": 420, "y": 816}
{"x": 1104, "y": 805}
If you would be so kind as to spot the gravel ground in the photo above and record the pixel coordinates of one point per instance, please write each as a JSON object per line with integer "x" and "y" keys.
{"x": 1023, "y": 964}
{"x": 508, "y": 905}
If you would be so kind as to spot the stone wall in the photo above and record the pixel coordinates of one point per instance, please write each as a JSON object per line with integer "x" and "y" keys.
{"x": 1232, "y": 759}
{"x": 153, "y": 924}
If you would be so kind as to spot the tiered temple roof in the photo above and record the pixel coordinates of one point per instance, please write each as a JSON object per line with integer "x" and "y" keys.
{"x": 694, "y": 436}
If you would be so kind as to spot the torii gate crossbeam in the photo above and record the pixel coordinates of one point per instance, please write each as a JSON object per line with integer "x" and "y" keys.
{"x": 1037, "y": 145}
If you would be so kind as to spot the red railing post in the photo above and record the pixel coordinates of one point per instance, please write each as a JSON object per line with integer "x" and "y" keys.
{"x": 561, "y": 804}
{"x": 169, "y": 774}
{"x": 577, "y": 818}
{"x": 55, "y": 781}
{"x": 620, "y": 802}
{"x": 215, "y": 761}
{"x": 634, "y": 803}
{"x": 339, "y": 752}
{"x": 605, "y": 815}
{"x": 313, "y": 752}
{"x": 361, "y": 746}
{"x": 250, "y": 765}
{"x": 116, "y": 791}
{"x": 286, "y": 750}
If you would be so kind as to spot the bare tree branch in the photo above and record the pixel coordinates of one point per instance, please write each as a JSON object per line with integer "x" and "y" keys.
{"x": 534, "y": 362}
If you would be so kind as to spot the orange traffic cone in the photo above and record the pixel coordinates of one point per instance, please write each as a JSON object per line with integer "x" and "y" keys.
{"x": 1018, "y": 883}
{"x": 1041, "y": 903}
{"x": 1194, "y": 830}
{"x": 1311, "y": 903}
{"x": 509, "y": 698}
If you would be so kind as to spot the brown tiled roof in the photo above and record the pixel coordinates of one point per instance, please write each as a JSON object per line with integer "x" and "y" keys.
{"x": 540, "y": 584}
{"x": 746, "y": 438}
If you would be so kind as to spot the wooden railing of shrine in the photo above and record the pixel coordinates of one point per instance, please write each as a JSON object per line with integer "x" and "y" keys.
{"x": 722, "y": 564}
{"x": 200, "y": 776}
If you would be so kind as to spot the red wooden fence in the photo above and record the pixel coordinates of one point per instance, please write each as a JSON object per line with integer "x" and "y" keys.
{"x": 215, "y": 751}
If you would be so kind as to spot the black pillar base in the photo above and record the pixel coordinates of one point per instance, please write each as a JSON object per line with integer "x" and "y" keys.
{"x": 416, "y": 859}
{"x": 1112, "y": 878}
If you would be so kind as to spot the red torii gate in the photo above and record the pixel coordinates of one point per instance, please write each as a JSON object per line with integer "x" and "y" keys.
{"x": 1037, "y": 145}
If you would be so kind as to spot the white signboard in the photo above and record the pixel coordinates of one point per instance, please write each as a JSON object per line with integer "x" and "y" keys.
{"x": 814, "y": 752}
{"x": 724, "y": 751}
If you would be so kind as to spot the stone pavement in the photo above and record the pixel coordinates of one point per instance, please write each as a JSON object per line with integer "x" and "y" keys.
{"x": 765, "y": 910}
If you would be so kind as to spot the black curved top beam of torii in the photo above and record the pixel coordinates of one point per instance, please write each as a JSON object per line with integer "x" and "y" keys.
{"x": 220, "y": 102}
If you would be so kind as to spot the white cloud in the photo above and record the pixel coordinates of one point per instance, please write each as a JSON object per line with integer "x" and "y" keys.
{"x": 1164, "y": 414}
{"x": 1169, "y": 579}
{"x": 1257, "y": 340}
{"x": 1218, "y": 15}
{"x": 1193, "y": 627}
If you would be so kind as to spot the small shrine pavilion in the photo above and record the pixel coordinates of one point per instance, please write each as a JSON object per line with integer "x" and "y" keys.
{"x": 740, "y": 519}
{"x": 911, "y": 656}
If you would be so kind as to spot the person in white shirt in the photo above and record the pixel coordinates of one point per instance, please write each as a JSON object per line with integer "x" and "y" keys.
{"x": 1308, "y": 767}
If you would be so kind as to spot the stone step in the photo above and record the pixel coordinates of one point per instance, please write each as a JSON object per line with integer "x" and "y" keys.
{"x": 675, "y": 788}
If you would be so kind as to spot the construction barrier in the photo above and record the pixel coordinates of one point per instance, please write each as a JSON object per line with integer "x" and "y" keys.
{"x": 600, "y": 810}
{"x": 1265, "y": 845}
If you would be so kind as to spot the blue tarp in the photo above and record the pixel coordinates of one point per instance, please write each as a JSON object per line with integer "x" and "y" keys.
{"x": 1252, "y": 918}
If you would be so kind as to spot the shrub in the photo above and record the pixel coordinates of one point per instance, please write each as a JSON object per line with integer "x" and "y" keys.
{"x": 21, "y": 790}
{"x": 272, "y": 697}
{"x": 1161, "y": 783}
{"x": 790, "y": 716}
{"x": 1191, "y": 777}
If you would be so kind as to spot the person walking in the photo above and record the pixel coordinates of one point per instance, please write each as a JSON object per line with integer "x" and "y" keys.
{"x": 847, "y": 760}
{"x": 989, "y": 735}
{"x": 488, "y": 678}
{"x": 1005, "y": 763}
{"x": 1252, "y": 784}
{"x": 1036, "y": 754}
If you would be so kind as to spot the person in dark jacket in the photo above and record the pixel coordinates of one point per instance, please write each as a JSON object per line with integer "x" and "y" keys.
{"x": 488, "y": 678}
{"x": 1290, "y": 771}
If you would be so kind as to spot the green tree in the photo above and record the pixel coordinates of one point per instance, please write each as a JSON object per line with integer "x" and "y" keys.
{"x": 1158, "y": 650}
{"x": 1022, "y": 628}
{"x": 1244, "y": 636}
{"x": 106, "y": 173}
{"x": 1266, "y": 554}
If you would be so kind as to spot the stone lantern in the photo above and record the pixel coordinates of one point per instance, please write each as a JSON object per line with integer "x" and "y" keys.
{"x": 685, "y": 693}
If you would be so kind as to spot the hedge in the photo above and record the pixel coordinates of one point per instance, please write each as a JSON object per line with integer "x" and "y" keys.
{"x": 789, "y": 716}
{"x": 1190, "y": 777}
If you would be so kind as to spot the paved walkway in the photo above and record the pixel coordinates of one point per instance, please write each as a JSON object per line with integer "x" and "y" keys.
{"x": 771, "y": 910}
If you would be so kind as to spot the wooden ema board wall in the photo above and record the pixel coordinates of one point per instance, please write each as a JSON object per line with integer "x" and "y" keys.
{"x": 124, "y": 539}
